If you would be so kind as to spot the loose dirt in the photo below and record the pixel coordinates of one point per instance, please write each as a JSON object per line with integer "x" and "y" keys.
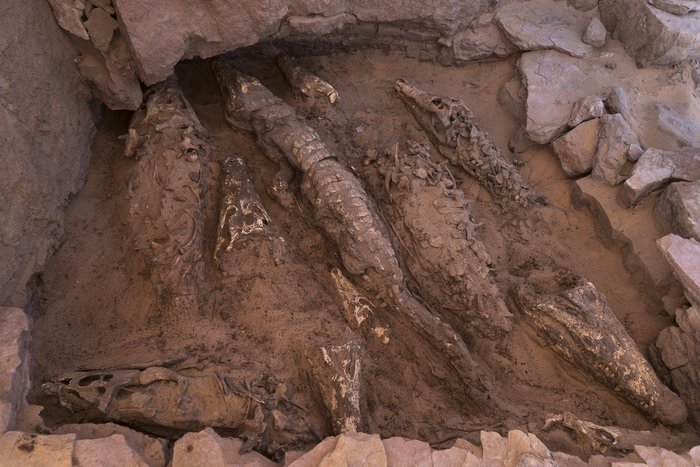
{"x": 100, "y": 306}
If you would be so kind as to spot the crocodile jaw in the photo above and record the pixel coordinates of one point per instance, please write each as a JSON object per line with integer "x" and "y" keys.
{"x": 435, "y": 114}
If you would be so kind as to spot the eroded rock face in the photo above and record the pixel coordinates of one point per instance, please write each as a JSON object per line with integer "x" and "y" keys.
{"x": 47, "y": 128}
{"x": 684, "y": 256}
{"x": 652, "y": 36}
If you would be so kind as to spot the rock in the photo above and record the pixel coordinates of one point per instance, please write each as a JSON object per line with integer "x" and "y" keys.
{"x": 652, "y": 36}
{"x": 631, "y": 231}
{"x": 583, "y": 5}
{"x": 684, "y": 257}
{"x": 153, "y": 450}
{"x": 685, "y": 131}
{"x": 29, "y": 419}
{"x": 69, "y": 15}
{"x": 542, "y": 24}
{"x": 401, "y": 451}
{"x": 512, "y": 98}
{"x": 28, "y": 450}
{"x": 585, "y": 109}
{"x": 14, "y": 363}
{"x": 313, "y": 457}
{"x": 481, "y": 40}
{"x": 517, "y": 449}
{"x": 634, "y": 153}
{"x": 678, "y": 209}
{"x": 356, "y": 449}
{"x": 661, "y": 456}
{"x": 454, "y": 457}
{"x": 101, "y": 26}
{"x": 610, "y": 164}
{"x": 47, "y": 131}
{"x": 677, "y": 7}
{"x": 555, "y": 82}
{"x": 595, "y": 33}
{"x": 113, "y": 451}
{"x": 656, "y": 168}
{"x": 208, "y": 449}
{"x": 617, "y": 103}
{"x": 680, "y": 353}
{"x": 577, "y": 148}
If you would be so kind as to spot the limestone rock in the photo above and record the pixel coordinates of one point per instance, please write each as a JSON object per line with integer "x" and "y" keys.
{"x": 555, "y": 82}
{"x": 47, "y": 130}
{"x": 28, "y": 450}
{"x": 661, "y": 456}
{"x": 101, "y": 26}
{"x": 481, "y": 40}
{"x": 113, "y": 451}
{"x": 577, "y": 148}
{"x": 677, "y": 7}
{"x": 400, "y": 451}
{"x": 617, "y": 103}
{"x": 69, "y": 15}
{"x": 585, "y": 109}
{"x": 615, "y": 138}
{"x": 542, "y": 24}
{"x": 635, "y": 152}
{"x": 517, "y": 449}
{"x": 652, "y": 36}
{"x": 684, "y": 257}
{"x": 454, "y": 457}
{"x": 678, "y": 209}
{"x": 512, "y": 97}
{"x": 14, "y": 363}
{"x": 656, "y": 168}
{"x": 680, "y": 352}
{"x": 208, "y": 449}
{"x": 314, "y": 456}
{"x": 595, "y": 33}
{"x": 685, "y": 131}
{"x": 356, "y": 449}
{"x": 153, "y": 450}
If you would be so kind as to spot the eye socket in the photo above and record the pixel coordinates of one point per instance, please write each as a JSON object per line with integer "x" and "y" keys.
{"x": 437, "y": 102}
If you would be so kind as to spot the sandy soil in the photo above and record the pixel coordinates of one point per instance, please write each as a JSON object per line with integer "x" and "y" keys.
{"x": 100, "y": 308}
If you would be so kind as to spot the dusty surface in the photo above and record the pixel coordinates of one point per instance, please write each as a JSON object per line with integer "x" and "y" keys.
{"x": 100, "y": 306}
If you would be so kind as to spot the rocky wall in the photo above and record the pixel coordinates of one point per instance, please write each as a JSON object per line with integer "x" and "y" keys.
{"x": 47, "y": 127}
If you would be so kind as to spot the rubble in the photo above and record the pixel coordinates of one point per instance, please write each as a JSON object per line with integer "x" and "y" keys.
{"x": 541, "y": 24}
{"x": 656, "y": 168}
{"x": 679, "y": 349}
{"x": 585, "y": 109}
{"x": 677, "y": 7}
{"x": 69, "y": 14}
{"x": 577, "y": 148}
{"x": 32, "y": 450}
{"x": 678, "y": 209}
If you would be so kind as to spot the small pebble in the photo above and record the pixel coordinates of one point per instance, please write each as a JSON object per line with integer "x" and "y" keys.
{"x": 359, "y": 130}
